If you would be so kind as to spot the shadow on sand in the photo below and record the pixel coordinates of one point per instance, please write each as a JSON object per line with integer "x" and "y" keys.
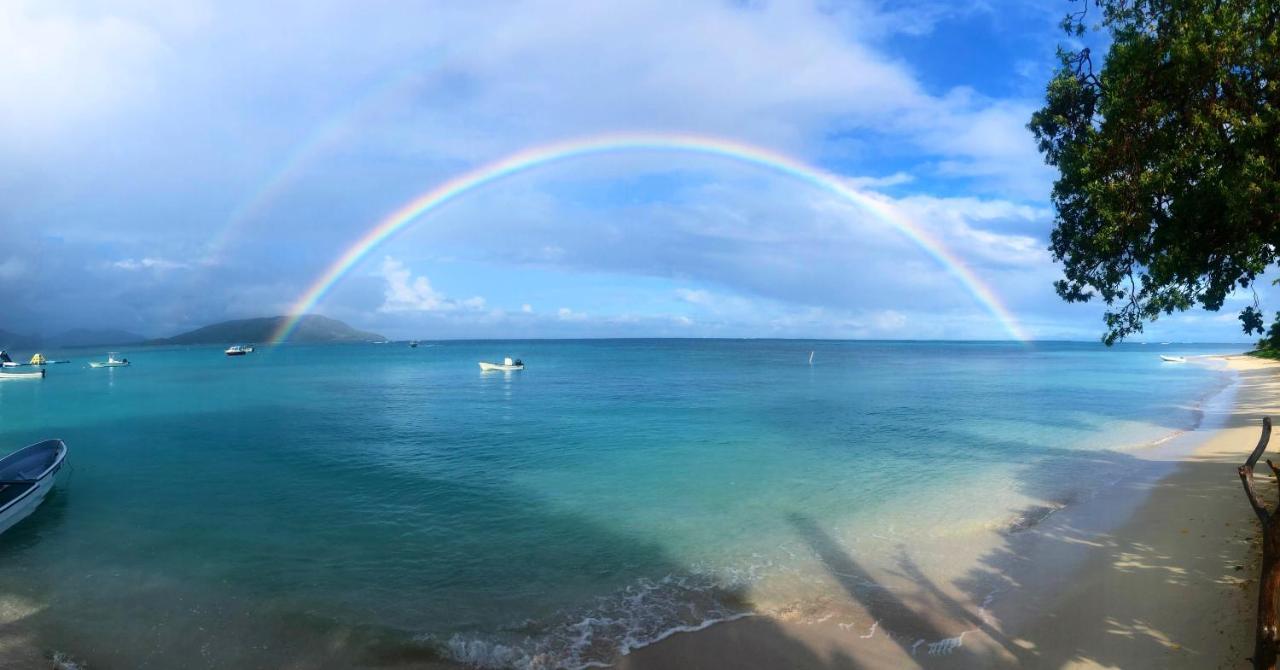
{"x": 1018, "y": 607}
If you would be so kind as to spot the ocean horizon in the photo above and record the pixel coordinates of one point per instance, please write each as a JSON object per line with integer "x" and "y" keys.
{"x": 341, "y": 504}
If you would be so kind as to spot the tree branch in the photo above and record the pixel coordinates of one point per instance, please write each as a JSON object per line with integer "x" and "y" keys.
{"x": 1246, "y": 474}
{"x": 1262, "y": 444}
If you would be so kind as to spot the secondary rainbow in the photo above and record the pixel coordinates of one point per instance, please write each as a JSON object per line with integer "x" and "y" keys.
{"x": 545, "y": 154}
{"x": 323, "y": 137}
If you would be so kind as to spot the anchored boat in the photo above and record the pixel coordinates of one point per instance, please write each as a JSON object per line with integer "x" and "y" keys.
{"x": 507, "y": 364}
{"x": 236, "y": 350}
{"x": 1173, "y": 359}
{"x": 111, "y": 362}
{"x": 26, "y": 477}
{"x": 34, "y": 374}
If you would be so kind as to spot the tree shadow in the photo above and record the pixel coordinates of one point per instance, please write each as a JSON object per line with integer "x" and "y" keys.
{"x": 1148, "y": 597}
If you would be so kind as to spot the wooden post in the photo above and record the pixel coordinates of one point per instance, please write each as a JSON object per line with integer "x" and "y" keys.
{"x": 1267, "y": 630}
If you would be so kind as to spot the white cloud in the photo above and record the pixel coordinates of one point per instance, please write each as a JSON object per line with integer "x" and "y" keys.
{"x": 435, "y": 89}
{"x": 986, "y": 230}
{"x": 888, "y": 321}
{"x": 405, "y": 293}
{"x": 895, "y": 179}
{"x": 526, "y": 308}
{"x": 566, "y": 314}
{"x": 149, "y": 263}
{"x": 694, "y": 296}
{"x": 57, "y": 68}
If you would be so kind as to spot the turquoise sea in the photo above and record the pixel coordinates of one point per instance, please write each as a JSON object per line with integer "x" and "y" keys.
{"x": 376, "y": 504}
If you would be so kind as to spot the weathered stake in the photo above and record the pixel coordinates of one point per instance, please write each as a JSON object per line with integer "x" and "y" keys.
{"x": 1267, "y": 632}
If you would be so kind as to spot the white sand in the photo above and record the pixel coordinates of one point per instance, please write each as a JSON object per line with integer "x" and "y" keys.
{"x": 1159, "y": 572}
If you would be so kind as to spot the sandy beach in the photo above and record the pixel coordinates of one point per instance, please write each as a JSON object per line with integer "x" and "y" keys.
{"x": 1160, "y": 571}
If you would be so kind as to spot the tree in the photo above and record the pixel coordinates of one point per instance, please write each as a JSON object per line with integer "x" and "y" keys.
{"x": 1266, "y": 636}
{"x": 1167, "y": 195}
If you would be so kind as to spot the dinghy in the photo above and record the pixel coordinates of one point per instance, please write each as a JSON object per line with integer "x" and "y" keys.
{"x": 507, "y": 365}
{"x": 34, "y": 374}
{"x": 111, "y": 362}
{"x": 1173, "y": 359}
{"x": 26, "y": 477}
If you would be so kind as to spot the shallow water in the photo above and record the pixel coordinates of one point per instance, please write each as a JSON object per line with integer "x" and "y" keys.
{"x": 377, "y": 504}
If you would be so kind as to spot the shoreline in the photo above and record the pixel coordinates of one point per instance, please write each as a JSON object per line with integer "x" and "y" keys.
{"x": 934, "y": 589}
{"x": 1158, "y": 570}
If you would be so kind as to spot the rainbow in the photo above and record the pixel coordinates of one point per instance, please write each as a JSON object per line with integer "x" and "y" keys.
{"x": 324, "y": 137}
{"x": 534, "y": 157}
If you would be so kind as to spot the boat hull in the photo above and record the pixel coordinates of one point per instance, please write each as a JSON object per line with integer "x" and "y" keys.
{"x": 23, "y": 505}
{"x": 98, "y": 364}
{"x": 495, "y": 366}
{"x": 39, "y": 374}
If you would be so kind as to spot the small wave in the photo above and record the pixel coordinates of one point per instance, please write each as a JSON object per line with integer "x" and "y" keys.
{"x": 1031, "y": 517}
{"x": 61, "y": 661}
{"x": 642, "y": 614}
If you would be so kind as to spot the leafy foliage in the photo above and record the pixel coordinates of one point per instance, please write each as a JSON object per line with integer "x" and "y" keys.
{"x": 1167, "y": 195}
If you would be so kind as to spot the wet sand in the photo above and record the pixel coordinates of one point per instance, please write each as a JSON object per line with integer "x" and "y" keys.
{"x": 1159, "y": 571}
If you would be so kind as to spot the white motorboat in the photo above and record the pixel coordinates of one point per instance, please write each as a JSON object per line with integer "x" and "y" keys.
{"x": 34, "y": 374}
{"x": 506, "y": 365}
{"x": 26, "y": 477}
{"x": 235, "y": 350}
{"x": 1173, "y": 359}
{"x": 111, "y": 362}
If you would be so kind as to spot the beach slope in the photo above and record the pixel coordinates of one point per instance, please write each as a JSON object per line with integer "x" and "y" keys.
{"x": 1160, "y": 571}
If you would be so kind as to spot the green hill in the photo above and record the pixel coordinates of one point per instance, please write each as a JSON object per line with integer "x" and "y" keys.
{"x": 311, "y": 328}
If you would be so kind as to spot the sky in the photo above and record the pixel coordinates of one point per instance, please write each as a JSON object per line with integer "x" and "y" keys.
{"x": 167, "y": 165}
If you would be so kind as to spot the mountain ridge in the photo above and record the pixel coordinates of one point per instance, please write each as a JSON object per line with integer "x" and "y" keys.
{"x": 311, "y": 329}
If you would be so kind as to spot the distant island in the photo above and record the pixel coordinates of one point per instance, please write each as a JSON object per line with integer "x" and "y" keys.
{"x": 311, "y": 329}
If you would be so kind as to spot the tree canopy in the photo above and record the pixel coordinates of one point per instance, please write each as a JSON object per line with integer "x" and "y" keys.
{"x": 1167, "y": 195}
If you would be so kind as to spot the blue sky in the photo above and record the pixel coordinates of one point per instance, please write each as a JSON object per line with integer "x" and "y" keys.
{"x": 134, "y": 135}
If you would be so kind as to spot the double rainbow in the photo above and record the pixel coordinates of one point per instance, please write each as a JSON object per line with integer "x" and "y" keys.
{"x": 545, "y": 154}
